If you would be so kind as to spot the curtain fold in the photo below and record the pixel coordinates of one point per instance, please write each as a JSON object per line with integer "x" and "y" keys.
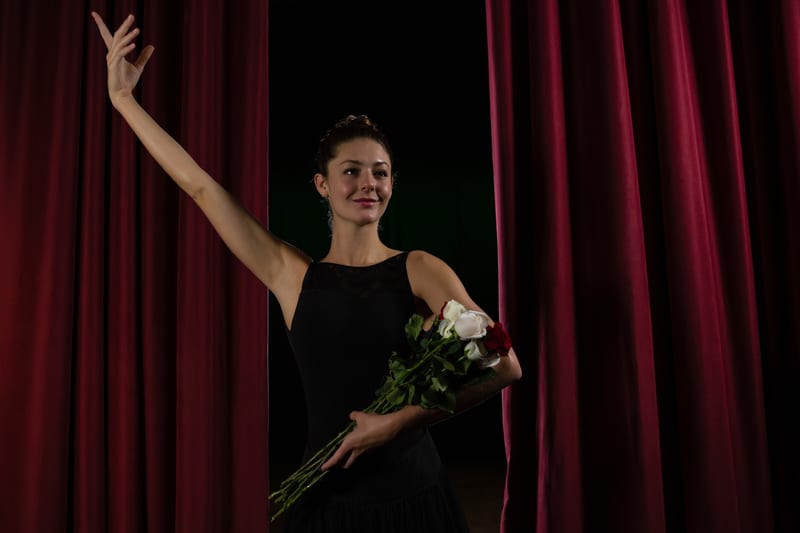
{"x": 134, "y": 382}
{"x": 646, "y": 183}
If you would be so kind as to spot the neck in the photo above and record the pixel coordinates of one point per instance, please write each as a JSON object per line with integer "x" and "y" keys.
{"x": 357, "y": 245}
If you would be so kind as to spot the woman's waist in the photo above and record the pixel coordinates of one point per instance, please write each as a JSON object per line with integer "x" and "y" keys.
{"x": 402, "y": 467}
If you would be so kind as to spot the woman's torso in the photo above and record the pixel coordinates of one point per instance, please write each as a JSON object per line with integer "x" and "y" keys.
{"x": 347, "y": 322}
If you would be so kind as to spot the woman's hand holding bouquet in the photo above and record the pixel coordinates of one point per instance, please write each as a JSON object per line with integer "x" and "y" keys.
{"x": 458, "y": 350}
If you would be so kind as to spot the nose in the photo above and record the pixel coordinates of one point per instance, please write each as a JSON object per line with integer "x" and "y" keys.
{"x": 368, "y": 181}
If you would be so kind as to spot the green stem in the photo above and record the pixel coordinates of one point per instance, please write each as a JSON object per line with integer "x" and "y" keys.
{"x": 308, "y": 474}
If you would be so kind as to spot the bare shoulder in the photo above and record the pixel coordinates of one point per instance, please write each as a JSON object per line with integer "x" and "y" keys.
{"x": 425, "y": 266}
{"x": 424, "y": 260}
{"x": 434, "y": 281}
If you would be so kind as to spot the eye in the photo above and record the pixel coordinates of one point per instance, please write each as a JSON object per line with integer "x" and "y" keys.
{"x": 380, "y": 173}
{"x": 351, "y": 171}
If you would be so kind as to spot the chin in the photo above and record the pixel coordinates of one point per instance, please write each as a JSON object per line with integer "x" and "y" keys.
{"x": 368, "y": 218}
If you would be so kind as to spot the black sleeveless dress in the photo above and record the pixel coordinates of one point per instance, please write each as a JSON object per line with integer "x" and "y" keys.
{"x": 347, "y": 322}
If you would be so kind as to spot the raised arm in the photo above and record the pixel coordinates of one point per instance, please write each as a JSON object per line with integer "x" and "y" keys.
{"x": 277, "y": 264}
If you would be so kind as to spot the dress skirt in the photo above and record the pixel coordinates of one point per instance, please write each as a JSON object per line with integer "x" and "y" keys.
{"x": 401, "y": 488}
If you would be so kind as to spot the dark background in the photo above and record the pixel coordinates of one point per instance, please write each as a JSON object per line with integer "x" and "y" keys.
{"x": 421, "y": 74}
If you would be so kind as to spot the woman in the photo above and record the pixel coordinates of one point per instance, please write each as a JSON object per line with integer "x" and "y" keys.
{"x": 348, "y": 307}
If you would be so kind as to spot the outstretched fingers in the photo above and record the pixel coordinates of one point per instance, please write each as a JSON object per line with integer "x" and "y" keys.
{"x": 122, "y": 74}
{"x": 123, "y": 28}
{"x": 104, "y": 33}
{"x": 128, "y": 37}
{"x": 121, "y": 39}
{"x": 123, "y": 45}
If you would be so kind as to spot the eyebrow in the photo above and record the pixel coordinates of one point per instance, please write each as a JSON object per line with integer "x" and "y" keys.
{"x": 361, "y": 163}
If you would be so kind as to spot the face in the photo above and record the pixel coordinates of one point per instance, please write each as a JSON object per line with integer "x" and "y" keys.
{"x": 359, "y": 182}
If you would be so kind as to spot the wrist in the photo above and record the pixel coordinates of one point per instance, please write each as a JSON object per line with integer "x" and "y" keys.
{"x": 409, "y": 417}
{"x": 121, "y": 100}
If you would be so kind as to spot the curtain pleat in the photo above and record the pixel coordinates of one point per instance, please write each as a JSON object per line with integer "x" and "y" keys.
{"x": 646, "y": 178}
{"x": 134, "y": 363}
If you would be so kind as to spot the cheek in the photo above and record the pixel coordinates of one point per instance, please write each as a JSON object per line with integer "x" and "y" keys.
{"x": 346, "y": 188}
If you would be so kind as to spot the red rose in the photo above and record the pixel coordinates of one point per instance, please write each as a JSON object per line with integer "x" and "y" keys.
{"x": 497, "y": 340}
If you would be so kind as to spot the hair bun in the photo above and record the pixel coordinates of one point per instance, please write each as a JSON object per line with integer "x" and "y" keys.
{"x": 348, "y": 128}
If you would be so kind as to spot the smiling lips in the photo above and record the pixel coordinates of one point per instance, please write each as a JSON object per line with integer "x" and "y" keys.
{"x": 366, "y": 201}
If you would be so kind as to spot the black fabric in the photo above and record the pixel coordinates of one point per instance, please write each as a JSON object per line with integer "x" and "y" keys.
{"x": 347, "y": 323}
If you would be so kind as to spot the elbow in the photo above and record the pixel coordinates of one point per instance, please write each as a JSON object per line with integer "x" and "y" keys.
{"x": 515, "y": 369}
{"x": 510, "y": 370}
{"x": 196, "y": 194}
{"x": 514, "y": 373}
{"x": 186, "y": 179}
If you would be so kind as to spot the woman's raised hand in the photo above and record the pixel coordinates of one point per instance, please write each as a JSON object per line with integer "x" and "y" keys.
{"x": 122, "y": 75}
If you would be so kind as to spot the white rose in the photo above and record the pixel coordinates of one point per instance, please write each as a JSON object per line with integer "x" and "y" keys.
{"x": 475, "y": 350}
{"x": 471, "y": 325}
{"x": 452, "y": 310}
{"x": 450, "y": 313}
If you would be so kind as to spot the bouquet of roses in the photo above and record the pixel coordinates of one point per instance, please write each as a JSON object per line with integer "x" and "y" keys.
{"x": 458, "y": 350}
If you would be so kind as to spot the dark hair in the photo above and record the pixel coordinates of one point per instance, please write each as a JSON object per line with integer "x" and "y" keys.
{"x": 349, "y": 128}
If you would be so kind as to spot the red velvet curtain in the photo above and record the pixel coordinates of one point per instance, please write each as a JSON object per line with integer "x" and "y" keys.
{"x": 647, "y": 185}
{"x": 134, "y": 374}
